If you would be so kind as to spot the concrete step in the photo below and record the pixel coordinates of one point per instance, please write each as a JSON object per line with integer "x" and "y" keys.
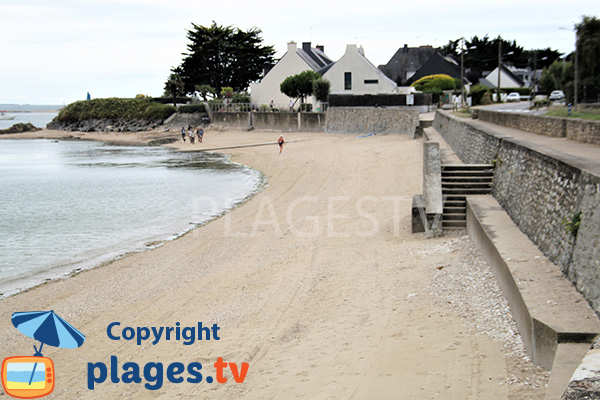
{"x": 467, "y": 179}
{"x": 466, "y": 185}
{"x": 454, "y": 217}
{"x": 453, "y": 224}
{"x": 453, "y": 209}
{"x": 467, "y": 173}
{"x": 455, "y": 167}
{"x": 464, "y": 191}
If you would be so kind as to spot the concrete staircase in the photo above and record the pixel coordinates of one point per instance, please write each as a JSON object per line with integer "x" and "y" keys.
{"x": 459, "y": 181}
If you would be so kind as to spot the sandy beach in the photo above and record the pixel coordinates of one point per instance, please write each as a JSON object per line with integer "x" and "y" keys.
{"x": 316, "y": 283}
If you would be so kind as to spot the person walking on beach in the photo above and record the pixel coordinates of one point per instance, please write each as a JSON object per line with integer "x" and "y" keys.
{"x": 192, "y": 136}
{"x": 272, "y": 105}
{"x": 200, "y": 134}
{"x": 183, "y": 133}
{"x": 280, "y": 142}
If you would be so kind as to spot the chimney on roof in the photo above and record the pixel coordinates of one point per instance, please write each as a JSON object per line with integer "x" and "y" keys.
{"x": 291, "y": 47}
{"x": 361, "y": 50}
{"x": 306, "y": 47}
{"x": 321, "y": 47}
{"x": 405, "y": 49}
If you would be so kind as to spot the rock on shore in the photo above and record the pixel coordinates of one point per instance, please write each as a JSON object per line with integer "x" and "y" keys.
{"x": 20, "y": 127}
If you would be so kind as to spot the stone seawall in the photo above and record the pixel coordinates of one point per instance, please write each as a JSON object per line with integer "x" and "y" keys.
{"x": 285, "y": 121}
{"x": 542, "y": 191}
{"x": 371, "y": 120}
{"x": 575, "y": 129}
{"x": 471, "y": 145}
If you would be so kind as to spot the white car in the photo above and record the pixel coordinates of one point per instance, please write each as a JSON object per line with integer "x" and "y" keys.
{"x": 514, "y": 96}
{"x": 557, "y": 95}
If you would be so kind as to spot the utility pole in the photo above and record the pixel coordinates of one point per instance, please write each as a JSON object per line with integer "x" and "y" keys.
{"x": 462, "y": 73}
{"x": 576, "y": 69}
{"x": 499, "y": 66}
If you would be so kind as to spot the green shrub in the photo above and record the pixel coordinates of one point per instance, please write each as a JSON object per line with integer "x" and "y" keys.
{"x": 194, "y": 108}
{"x": 486, "y": 99}
{"x": 477, "y": 92}
{"x": 524, "y": 91}
{"x": 240, "y": 98}
{"x": 115, "y": 108}
{"x": 169, "y": 100}
{"x": 434, "y": 83}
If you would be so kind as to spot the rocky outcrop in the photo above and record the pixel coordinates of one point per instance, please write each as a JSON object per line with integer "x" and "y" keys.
{"x": 106, "y": 125}
{"x": 18, "y": 128}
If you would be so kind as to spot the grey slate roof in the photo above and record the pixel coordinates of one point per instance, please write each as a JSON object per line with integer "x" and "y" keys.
{"x": 437, "y": 64}
{"x": 406, "y": 59}
{"x": 315, "y": 57}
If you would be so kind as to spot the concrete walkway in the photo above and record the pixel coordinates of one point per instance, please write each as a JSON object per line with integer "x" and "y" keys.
{"x": 582, "y": 155}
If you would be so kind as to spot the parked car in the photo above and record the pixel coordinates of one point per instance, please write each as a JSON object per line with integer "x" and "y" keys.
{"x": 557, "y": 95}
{"x": 514, "y": 96}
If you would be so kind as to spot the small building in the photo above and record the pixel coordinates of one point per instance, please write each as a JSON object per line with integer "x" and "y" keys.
{"x": 355, "y": 74}
{"x": 406, "y": 62}
{"x": 438, "y": 64}
{"x": 293, "y": 62}
{"x": 507, "y": 79}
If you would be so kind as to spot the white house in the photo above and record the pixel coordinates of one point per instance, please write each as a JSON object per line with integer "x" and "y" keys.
{"x": 507, "y": 79}
{"x": 293, "y": 62}
{"x": 354, "y": 74}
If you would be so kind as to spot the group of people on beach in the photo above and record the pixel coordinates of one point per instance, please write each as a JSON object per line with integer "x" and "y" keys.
{"x": 192, "y": 133}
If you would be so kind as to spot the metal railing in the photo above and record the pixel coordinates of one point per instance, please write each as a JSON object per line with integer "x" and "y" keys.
{"x": 247, "y": 107}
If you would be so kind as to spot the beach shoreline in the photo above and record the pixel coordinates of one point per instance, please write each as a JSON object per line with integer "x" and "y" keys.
{"x": 316, "y": 282}
{"x": 11, "y": 286}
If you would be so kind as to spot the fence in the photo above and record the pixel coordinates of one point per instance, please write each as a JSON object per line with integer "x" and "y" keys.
{"x": 247, "y": 107}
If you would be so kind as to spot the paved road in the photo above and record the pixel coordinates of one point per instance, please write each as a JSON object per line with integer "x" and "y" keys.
{"x": 520, "y": 107}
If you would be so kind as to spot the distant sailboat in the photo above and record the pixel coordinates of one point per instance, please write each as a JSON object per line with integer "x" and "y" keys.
{"x": 5, "y": 117}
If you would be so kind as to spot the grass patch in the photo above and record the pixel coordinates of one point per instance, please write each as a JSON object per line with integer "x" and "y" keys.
{"x": 593, "y": 114}
{"x": 463, "y": 113}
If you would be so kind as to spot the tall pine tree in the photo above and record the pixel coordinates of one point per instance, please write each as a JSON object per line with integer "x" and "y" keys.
{"x": 221, "y": 56}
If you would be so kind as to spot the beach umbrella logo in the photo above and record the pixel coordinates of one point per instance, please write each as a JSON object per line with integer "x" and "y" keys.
{"x": 33, "y": 377}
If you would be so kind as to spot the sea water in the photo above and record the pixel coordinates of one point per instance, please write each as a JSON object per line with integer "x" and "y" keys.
{"x": 70, "y": 205}
{"x": 39, "y": 119}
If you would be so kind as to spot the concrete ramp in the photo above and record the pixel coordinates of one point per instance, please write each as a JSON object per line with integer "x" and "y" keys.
{"x": 549, "y": 311}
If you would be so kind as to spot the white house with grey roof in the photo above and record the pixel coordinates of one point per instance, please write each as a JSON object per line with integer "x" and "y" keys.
{"x": 294, "y": 61}
{"x": 355, "y": 74}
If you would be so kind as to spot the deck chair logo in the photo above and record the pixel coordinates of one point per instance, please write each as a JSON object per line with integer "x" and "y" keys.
{"x": 33, "y": 377}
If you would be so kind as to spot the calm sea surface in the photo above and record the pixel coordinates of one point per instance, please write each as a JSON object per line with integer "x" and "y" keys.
{"x": 39, "y": 119}
{"x": 71, "y": 205}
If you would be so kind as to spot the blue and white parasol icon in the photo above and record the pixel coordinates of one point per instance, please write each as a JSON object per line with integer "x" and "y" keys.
{"x": 48, "y": 328}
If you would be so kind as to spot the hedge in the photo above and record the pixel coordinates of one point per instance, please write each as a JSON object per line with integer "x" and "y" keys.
{"x": 374, "y": 100}
{"x": 169, "y": 100}
{"x": 194, "y": 108}
{"x": 115, "y": 108}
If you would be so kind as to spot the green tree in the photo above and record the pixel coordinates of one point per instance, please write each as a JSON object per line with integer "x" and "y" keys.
{"x": 321, "y": 89}
{"x": 221, "y": 56}
{"x": 299, "y": 86}
{"x": 588, "y": 48}
{"x": 205, "y": 91}
{"x": 174, "y": 87}
{"x": 559, "y": 76}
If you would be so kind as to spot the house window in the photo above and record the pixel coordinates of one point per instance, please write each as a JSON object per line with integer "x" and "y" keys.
{"x": 347, "y": 80}
{"x": 371, "y": 81}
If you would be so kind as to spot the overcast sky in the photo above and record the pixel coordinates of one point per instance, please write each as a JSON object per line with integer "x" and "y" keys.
{"x": 55, "y": 51}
